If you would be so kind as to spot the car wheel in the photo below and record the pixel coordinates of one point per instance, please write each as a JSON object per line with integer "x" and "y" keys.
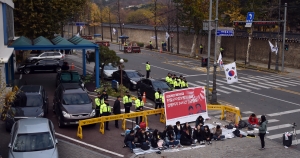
{"x": 58, "y": 69}
{"x": 59, "y": 121}
{"x": 7, "y": 127}
{"x": 27, "y": 71}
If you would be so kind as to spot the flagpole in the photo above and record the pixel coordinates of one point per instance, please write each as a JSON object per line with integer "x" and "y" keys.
{"x": 208, "y": 51}
{"x": 214, "y": 91}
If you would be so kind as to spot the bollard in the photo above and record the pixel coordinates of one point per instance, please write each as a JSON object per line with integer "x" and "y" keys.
{"x": 144, "y": 97}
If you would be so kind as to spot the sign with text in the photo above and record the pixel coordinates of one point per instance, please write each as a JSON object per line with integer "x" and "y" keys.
{"x": 185, "y": 105}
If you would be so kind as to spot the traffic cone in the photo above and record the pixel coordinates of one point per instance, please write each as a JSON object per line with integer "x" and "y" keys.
{"x": 144, "y": 97}
{"x": 72, "y": 66}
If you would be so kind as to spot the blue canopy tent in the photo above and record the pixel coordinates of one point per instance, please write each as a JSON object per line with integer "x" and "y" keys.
{"x": 123, "y": 40}
{"x": 59, "y": 43}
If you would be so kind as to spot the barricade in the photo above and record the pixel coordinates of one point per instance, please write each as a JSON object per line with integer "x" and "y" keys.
{"x": 227, "y": 108}
{"x": 122, "y": 117}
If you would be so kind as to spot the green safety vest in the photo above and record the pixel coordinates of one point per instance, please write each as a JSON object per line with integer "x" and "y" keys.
{"x": 97, "y": 102}
{"x": 174, "y": 83}
{"x": 126, "y": 99}
{"x": 163, "y": 99}
{"x": 171, "y": 81}
{"x": 201, "y": 47}
{"x": 186, "y": 85}
{"x": 167, "y": 79}
{"x": 179, "y": 80}
{"x": 138, "y": 103}
{"x": 221, "y": 49}
{"x": 104, "y": 108}
{"x": 147, "y": 67}
{"x": 157, "y": 96}
{"x": 183, "y": 84}
{"x": 151, "y": 42}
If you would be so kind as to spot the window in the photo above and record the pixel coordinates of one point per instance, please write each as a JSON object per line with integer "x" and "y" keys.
{"x": 33, "y": 142}
{"x": 9, "y": 28}
{"x": 41, "y": 62}
{"x": 110, "y": 67}
{"x": 34, "y": 100}
{"x": 160, "y": 85}
{"x": 70, "y": 77}
{"x": 133, "y": 74}
{"x": 43, "y": 55}
{"x": 50, "y": 54}
{"x": 76, "y": 99}
{"x": 57, "y": 54}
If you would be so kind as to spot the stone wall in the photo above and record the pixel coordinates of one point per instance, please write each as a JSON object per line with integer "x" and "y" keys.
{"x": 259, "y": 50}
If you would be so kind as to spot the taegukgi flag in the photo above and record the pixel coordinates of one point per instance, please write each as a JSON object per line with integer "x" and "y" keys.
{"x": 167, "y": 36}
{"x": 273, "y": 48}
{"x": 114, "y": 31}
{"x": 220, "y": 61}
{"x": 231, "y": 73}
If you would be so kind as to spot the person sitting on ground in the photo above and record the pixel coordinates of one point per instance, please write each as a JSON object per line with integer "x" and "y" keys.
{"x": 199, "y": 121}
{"x": 178, "y": 130}
{"x": 207, "y": 135}
{"x": 187, "y": 126}
{"x": 142, "y": 137}
{"x": 218, "y": 133}
{"x": 129, "y": 140}
{"x": 253, "y": 120}
{"x": 170, "y": 137}
{"x": 186, "y": 138}
{"x": 198, "y": 135}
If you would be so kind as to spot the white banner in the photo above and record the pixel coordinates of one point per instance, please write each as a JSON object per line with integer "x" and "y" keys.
{"x": 114, "y": 31}
{"x": 167, "y": 36}
{"x": 220, "y": 62}
{"x": 273, "y": 48}
{"x": 231, "y": 73}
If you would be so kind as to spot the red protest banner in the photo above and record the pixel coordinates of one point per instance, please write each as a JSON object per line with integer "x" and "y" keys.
{"x": 185, "y": 105}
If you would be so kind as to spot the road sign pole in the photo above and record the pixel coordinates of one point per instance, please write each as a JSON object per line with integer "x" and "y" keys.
{"x": 208, "y": 51}
{"x": 214, "y": 92}
{"x": 283, "y": 40}
{"x": 277, "y": 55}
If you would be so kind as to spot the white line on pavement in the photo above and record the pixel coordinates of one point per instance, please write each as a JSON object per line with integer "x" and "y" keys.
{"x": 195, "y": 75}
{"x": 167, "y": 70}
{"x": 89, "y": 145}
{"x": 230, "y": 89}
{"x": 275, "y": 98}
{"x": 247, "y": 112}
{"x": 279, "y": 127}
{"x": 248, "y": 90}
{"x": 284, "y": 112}
{"x": 272, "y": 120}
{"x": 218, "y": 83}
{"x": 249, "y": 86}
{"x": 194, "y": 85}
{"x": 254, "y": 84}
{"x": 275, "y": 136}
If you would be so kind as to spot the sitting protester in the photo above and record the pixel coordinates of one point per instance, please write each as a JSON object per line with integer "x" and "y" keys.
{"x": 186, "y": 138}
{"x": 142, "y": 137}
{"x": 198, "y": 135}
{"x": 129, "y": 140}
{"x": 178, "y": 130}
{"x": 155, "y": 138}
{"x": 253, "y": 120}
{"x": 187, "y": 126}
{"x": 218, "y": 133}
{"x": 199, "y": 121}
{"x": 207, "y": 135}
{"x": 170, "y": 137}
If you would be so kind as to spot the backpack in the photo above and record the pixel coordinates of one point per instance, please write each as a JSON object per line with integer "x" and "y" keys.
{"x": 145, "y": 147}
{"x": 242, "y": 124}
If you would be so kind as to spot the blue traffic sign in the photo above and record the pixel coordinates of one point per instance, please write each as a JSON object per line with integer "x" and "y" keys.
{"x": 250, "y": 17}
{"x": 80, "y": 23}
{"x": 225, "y": 32}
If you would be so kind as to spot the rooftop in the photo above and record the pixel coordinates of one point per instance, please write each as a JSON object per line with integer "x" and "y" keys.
{"x": 33, "y": 125}
{"x": 31, "y": 88}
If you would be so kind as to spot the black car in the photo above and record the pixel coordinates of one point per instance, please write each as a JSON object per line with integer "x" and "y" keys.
{"x": 71, "y": 103}
{"x": 68, "y": 77}
{"x": 150, "y": 86}
{"x": 31, "y": 101}
{"x": 41, "y": 65}
{"x": 129, "y": 77}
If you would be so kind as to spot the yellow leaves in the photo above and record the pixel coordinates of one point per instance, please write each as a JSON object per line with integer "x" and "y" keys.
{"x": 235, "y": 15}
{"x": 140, "y": 16}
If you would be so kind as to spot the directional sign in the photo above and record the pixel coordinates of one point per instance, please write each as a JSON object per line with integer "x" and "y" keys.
{"x": 225, "y": 32}
{"x": 80, "y": 23}
{"x": 249, "y": 19}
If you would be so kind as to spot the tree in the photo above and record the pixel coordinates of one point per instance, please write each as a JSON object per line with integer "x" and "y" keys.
{"x": 108, "y": 56}
{"x": 43, "y": 18}
{"x": 94, "y": 14}
{"x": 140, "y": 16}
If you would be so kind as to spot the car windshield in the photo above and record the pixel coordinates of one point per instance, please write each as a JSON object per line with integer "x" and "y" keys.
{"x": 160, "y": 85}
{"x": 70, "y": 77}
{"x": 76, "y": 99}
{"x": 133, "y": 74}
{"x": 110, "y": 67}
{"x": 34, "y": 100}
{"x": 33, "y": 142}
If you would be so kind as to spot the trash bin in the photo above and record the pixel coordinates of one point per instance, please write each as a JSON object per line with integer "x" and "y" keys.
{"x": 204, "y": 62}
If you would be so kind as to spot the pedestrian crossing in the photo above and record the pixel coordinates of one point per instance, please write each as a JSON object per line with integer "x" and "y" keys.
{"x": 249, "y": 83}
{"x": 275, "y": 128}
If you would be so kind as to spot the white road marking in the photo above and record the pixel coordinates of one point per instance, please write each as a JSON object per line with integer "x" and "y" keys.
{"x": 246, "y": 79}
{"x": 255, "y": 84}
{"x": 284, "y": 112}
{"x": 167, "y": 70}
{"x": 220, "y": 90}
{"x": 275, "y": 98}
{"x": 279, "y": 127}
{"x": 195, "y": 75}
{"x": 263, "y": 77}
{"x": 194, "y": 85}
{"x": 248, "y": 90}
{"x": 230, "y": 89}
{"x": 275, "y": 136}
{"x": 89, "y": 145}
{"x": 247, "y": 112}
{"x": 222, "y": 81}
{"x": 287, "y": 83}
{"x": 20, "y": 77}
{"x": 273, "y": 83}
{"x": 249, "y": 86}
{"x": 201, "y": 82}
{"x": 217, "y": 84}
{"x": 272, "y": 120}
{"x": 294, "y": 142}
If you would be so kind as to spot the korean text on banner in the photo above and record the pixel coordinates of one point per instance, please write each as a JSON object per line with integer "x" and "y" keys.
{"x": 231, "y": 73}
{"x": 185, "y": 105}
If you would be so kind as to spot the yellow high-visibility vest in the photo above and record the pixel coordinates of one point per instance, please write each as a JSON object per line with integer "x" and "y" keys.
{"x": 126, "y": 99}
{"x": 104, "y": 108}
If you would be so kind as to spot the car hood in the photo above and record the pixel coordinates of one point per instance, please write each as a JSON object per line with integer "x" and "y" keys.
{"x": 136, "y": 79}
{"x": 27, "y": 111}
{"x": 109, "y": 72}
{"x": 51, "y": 153}
{"x": 78, "y": 109}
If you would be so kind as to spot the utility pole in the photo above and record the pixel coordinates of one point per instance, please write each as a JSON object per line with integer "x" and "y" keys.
{"x": 119, "y": 18}
{"x": 177, "y": 28}
{"x": 214, "y": 92}
{"x": 155, "y": 24}
{"x": 208, "y": 47}
{"x": 277, "y": 56}
{"x": 283, "y": 40}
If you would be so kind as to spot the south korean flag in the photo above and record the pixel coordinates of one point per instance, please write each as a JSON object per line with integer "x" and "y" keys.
{"x": 231, "y": 73}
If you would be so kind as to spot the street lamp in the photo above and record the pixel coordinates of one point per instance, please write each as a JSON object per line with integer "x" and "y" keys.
{"x": 121, "y": 62}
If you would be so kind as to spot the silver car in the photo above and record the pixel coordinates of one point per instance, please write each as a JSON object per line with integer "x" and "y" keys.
{"x": 46, "y": 55}
{"x": 33, "y": 138}
{"x": 108, "y": 71}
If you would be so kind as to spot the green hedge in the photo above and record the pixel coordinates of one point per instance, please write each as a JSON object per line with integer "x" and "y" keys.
{"x": 140, "y": 44}
{"x": 110, "y": 91}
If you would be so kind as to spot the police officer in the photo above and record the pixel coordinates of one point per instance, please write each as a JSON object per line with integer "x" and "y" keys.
{"x": 175, "y": 82}
{"x": 148, "y": 69}
{"x": 171, "y": 81}
{"x": 182, "y": 84}
{"x": 158, "y": 98}
{"x": 105, "y": 110}
{"x": 222, "y": 51}
{"x": 103, "y": 96}
{"x": 127, "y": 102}
{"x": 98, "y": 104}
{"x": 168, "y": 78}
{"x": 139, "y": 106}
{"x": 201, "y": 48}
{"x": 186, "y": 83}
{"x": 150, "y": 45}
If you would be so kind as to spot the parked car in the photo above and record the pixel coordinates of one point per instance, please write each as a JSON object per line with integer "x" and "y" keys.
{"x": 150, "y": 86}
{"x": 31, "y": 101}
{"x": 46, "y": 55}
{"x": 42, "y": 65}
{"x": 71, "y": 103}
{"x": 68, "y": 77}
{"x": 108, "y": 71}
{"x": 34, "y": 138}
{"x": 129, "y": 77}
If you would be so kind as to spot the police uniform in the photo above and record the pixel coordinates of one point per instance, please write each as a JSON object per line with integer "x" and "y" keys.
{"x": 127, "y": 102}
{"x": 105, "y": 110}
{"x": 103, "y": 97}
{"x": 139, "y": 106}
{"x": 98, "y": 104}
{"x": 148, "y": 69}
{"x": 158, "y": 99}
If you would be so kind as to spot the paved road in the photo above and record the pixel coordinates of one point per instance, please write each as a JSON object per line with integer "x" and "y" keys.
{"x": 276, "y": 96}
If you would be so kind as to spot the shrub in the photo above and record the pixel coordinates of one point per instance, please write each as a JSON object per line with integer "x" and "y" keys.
{"x": 140, "y": 44}
{"x": 111, "y": 91}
